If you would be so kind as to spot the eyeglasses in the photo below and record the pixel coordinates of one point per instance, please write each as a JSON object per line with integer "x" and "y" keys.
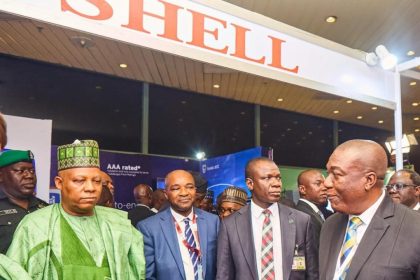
{"x": 398, "y": 186}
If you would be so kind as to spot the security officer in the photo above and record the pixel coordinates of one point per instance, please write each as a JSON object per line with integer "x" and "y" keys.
{"x": 17, "y": 187}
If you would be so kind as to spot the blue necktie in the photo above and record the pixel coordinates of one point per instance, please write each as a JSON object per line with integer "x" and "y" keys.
{"x": 350, "y": 241}
{"x": 191, "y": 242}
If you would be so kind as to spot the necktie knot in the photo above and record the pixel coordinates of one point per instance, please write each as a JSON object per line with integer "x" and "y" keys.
{"x": 355, "y": 222}
{"x": 187, "y": 221}
{"x": 267, "y": 213}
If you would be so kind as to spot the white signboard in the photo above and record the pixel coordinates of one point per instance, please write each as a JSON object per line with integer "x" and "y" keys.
{"x": 203, "y": 31}
{"x": 34, "y": 135}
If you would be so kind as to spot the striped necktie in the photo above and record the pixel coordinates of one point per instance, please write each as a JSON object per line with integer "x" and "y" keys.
{"x": 189, "y": 237}
{"x": 267, "y": 257}
{"x": 349, "y": 243}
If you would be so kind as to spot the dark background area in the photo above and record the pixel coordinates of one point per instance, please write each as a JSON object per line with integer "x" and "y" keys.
{"x": 88, "y": 105}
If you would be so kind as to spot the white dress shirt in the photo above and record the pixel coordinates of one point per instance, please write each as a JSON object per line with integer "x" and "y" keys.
{"x": 366, "y": 218}
{"x": 257, "y": 225}
{"x": 185, "y": 255}
{"x": 314, "y": 207}
{"x": 417, "y": 207}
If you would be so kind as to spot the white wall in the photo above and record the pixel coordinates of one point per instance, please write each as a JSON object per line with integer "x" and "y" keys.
{"x": 34, "y": 135}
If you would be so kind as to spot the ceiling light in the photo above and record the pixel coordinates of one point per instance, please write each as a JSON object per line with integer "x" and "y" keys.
{"x": 411, "y": 53}
{"x": 359, "y": 117}
{"x": 413, "y": 83}
{"x": 216, "y": 86}
{"x": 416, "y": 118}
{"x": 382, "y": 55}
{"x": 415, "y": 104}
{"x": 336, "y": 112}
{"x": 407, "y": 141}
{"x": 374, "y": 108}
{"x": 279, "y": 99}
{"x": 349, "y": 101}
{"x": 200, "y": 155}
{"x": 331, "y": 19}
{"x": 81, "y": 41}
{"x": 380, "y": 121}
{"x": 123, "y": 65}
{"x": 417, "y": 130}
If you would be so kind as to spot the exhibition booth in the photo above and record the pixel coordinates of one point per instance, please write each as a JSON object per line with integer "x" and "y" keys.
{"x": 221, "y": 34}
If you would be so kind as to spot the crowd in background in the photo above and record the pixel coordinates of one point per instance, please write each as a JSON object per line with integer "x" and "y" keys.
{"x": 177, "y": 233}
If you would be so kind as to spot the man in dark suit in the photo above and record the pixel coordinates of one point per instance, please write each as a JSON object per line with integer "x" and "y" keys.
{"x": 180, "y": 242}
{"x": 143, "y": 197}
{"x": 404, "y": 188}
{"x": 371, "y": 237}
{"x": 266, "y": 239}
{"x": 312, "y": 193}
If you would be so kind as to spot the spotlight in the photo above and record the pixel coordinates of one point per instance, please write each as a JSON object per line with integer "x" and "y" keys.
{"x": 200, "y": 155}
{"x": 382, "y": 55}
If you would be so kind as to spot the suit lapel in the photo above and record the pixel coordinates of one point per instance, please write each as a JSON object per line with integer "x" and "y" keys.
{"x": 202, "y": 235}
{"x": 168, "y": 229}
{"x": 336, "y": 241}
{"x": 309, "y": 208}
{"x": 288, "y": 238}
{"x": 374, "y": 233}
{"x": 244, "y": 230}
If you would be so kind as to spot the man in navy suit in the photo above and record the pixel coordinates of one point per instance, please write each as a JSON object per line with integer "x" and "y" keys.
{"x": 180, "y": 242}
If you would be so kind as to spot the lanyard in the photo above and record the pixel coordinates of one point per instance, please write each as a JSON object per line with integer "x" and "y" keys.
{"x": 186, "y": 244}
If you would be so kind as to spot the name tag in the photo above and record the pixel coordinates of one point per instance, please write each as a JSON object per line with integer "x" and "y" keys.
{"x": 299, "y": 263}
{"x": 8, "y": 212}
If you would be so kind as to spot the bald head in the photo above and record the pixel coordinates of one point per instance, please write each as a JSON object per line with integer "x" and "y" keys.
{"x": 366, "y": 155}
{"x": 311, "y": 186}
{"x": 356, "y": 170}
{"x": 143, "y": 194}
{"x": 107, "y": 181}
{"x": 251, "y": 166}
{"x": 158, "y": 199}
{"x": 175, "y": 174}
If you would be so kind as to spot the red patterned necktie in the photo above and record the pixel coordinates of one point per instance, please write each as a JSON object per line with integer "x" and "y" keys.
{"x": 267, "y": 257}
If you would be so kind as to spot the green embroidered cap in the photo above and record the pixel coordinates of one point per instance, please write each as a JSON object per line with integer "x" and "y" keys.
{"x": 13, "y": 156}
{"x": 81, "y": 153}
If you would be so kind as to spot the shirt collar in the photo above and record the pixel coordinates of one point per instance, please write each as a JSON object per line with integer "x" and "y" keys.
{"x": 367, "y": 216}
{"x": 313, "y": 206}
{"x": 417, "y": 207}
{"x": 257, "y": 211}
{"x": 139, "y": 204}
{"x": 180, "y": 218}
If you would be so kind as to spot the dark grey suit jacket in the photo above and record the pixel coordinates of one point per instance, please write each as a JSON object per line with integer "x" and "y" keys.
{"x": 317, "y": 221}
{"x": 389, "y": 249}
{"x": 236, "y": 251}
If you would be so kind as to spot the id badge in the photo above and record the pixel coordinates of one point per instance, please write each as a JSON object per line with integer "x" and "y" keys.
{"x": 299, "y": 263}
{"x": 200, "y": 272}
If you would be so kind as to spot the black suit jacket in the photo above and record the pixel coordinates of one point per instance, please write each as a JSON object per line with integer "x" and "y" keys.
{"x": 236, "y": 251}
{"x": 139, "y": 213}
{"x": 389, "y": 249}
{"x": 315, "y": 218}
